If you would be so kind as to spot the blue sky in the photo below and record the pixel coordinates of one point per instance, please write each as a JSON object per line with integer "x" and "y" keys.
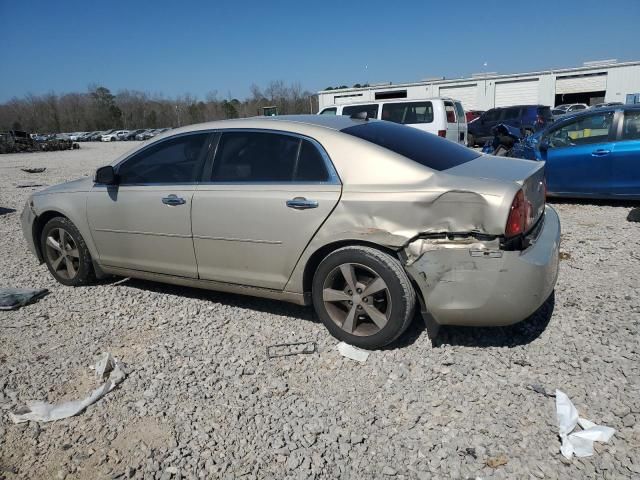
{"x": 180, "y": 47}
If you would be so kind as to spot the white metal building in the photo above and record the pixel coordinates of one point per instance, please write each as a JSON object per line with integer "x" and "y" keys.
{"x": 594, "y": 82}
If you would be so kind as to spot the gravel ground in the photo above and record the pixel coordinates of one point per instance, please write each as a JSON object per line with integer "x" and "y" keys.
{"x": 202, "y": 400}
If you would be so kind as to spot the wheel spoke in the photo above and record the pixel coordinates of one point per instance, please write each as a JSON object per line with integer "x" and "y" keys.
{"x": 332, "y": 295}
{"x": 73, "y": 253}
{"x": 376, "y": 315}
{"x": 61, "y": 233}
{"x": 53, "y": 244}
{"x": 349, "y": 275}
{"x": 350, "y": 321}
{"x": 56, "y": 263}
{"x": 374, "y": 287}
{"x": 71, "y": 270}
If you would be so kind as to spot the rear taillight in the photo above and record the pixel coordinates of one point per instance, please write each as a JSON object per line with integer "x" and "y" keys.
{"x": 516, "y": 222}
{"x": 442, "y": 133}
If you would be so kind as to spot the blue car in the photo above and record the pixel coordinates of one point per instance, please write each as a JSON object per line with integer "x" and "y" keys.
{"x": 592, "y": 154}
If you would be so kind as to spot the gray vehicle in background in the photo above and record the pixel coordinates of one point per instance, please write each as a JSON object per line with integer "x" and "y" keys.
{"x": 365, "y": 219}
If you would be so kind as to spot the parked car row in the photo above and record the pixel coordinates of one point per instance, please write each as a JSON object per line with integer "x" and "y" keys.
{"x": 115, "y": 135}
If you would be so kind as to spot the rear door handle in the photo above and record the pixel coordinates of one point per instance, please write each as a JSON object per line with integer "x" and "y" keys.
{"x": 301, "y": 203}
{"x": 173, "y": 200}
{"x": 600, "y": 153}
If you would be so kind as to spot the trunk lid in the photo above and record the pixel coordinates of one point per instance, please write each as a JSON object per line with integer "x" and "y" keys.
{"x": 528, "y": 174}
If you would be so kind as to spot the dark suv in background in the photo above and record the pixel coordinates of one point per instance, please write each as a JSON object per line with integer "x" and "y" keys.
{"x": 524, "y": 117}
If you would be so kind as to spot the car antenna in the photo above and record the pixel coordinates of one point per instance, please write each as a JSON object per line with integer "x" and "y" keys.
{"x": 359, "y": 116}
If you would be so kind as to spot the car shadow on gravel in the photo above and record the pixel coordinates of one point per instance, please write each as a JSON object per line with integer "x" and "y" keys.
{"x": 521, "y": 333}
{"x": 275, "y": 307}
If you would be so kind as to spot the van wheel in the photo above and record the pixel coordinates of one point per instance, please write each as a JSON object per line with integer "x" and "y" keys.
{"x": 65, "y": 253}
{"x": 363, "y": 296}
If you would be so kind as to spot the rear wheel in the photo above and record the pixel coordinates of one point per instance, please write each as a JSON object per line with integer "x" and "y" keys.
{"x": 65, "y": 253}
{"x": 363, "y": 296}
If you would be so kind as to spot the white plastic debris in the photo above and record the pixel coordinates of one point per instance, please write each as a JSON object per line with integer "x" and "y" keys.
{"x": 579, "y": 443}
{"x": 108, "y": 370}
{"x": 354, "y": 353}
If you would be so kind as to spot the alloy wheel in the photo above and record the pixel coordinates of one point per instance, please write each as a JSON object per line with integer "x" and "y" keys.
{"x": 357, "y": 299}
{"x": 62, "y": 253}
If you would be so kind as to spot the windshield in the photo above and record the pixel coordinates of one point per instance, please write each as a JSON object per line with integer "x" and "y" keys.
{"x": 424, "y": 148}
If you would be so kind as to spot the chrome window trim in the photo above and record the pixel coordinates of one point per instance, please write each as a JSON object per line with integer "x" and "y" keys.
{"x": 154, "y": 144}
{"x": 334, "y": 178}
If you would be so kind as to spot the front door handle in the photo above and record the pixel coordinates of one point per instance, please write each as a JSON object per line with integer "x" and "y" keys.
{"x": 600, "y": 153}
{"x": 173, "y": 200}
{"x": 301, "y": 203}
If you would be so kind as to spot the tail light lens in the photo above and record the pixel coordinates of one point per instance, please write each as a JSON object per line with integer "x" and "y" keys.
{"x": 516, "y": 222}
{"x": 442, "y": 133}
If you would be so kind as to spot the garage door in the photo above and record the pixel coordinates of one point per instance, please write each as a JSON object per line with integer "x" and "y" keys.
{"x": 466, "y": 94}
{"x": 520, "y": 92}
{"x": 581, "y": 83}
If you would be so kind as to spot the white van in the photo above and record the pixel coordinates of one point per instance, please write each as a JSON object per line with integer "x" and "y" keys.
{"x": 441, "y": 116}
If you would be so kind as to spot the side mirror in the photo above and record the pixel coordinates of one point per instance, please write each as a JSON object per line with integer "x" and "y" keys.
{"x": 106, "y": 176}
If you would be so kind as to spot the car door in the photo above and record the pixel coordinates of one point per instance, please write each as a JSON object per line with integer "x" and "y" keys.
{"x": 625, "y": 156}
{"x": 577, "y": 153}
{"x": 267, "y": 195}
{"x": 462, "y": 124}
{"x": 143, "y": 222}
{"x": 452, "y": 121}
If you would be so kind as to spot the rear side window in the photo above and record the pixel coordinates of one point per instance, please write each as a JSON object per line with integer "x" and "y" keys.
{"x": 329, "y": 111}
{"x": 631, "y": 125}
{"x": 450, "y": 111}
{"x": 408, "y": 112}
{"x": 372, "y": 110}
{"x": 175, "y": 160}
{"x": 544, "y": 112}
{"x": 417, "y": 145}
{"x": 252, "y": 157}
{"x": 511, "y": 113}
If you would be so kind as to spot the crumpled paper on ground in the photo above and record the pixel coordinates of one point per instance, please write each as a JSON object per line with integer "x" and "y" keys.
{"x": 354, "y": 353}
{"x": 579, "y": 443}
{"x": 14, "y": 298}
{"x": 108, "y": 370}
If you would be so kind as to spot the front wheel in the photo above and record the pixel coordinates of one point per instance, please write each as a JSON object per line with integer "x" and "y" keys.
{"x": 65, "y": 253}
{"x": 363, "y": 296}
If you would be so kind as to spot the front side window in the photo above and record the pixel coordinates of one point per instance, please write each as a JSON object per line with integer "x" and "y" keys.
{"x": 450, "y": 112}
{"x": 408, "y": 112}
{"x": 174, "y": 160}
{"x": 491, "y": 116}
{"x": 255, "y": 157}
{"x": 372, "y": 110}
{"x": 329, "y": 111}
{"x": 631, "y": 125}
{"x": 582, "y": 131}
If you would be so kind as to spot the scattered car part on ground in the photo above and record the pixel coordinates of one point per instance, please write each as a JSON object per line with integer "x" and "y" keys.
{"x": 34, "y": 170}
{"x": 108, "y": 370}
{"x": 289, "y": 349}
{"x": 352, "y": 236}
{"x": 578, "y": 443}
{"x": 591, "y": 154}
{"x": 354, "y": 353}
{"x": 14, "y": 298}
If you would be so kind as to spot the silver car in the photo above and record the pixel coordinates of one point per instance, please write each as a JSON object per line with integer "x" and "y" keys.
{"x": 364, "y": 219}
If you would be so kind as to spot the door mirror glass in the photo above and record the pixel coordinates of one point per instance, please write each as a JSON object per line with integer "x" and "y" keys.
{"x": 105, "y": 175}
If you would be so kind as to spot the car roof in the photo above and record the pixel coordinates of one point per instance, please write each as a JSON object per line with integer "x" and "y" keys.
{"x": 589, "y": 111}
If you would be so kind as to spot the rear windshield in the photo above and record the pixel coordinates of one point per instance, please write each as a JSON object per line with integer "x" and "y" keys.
{"x": 424, "y": 148}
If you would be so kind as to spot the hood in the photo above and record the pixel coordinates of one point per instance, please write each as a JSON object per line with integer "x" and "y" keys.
{"x": 83, "y": 184}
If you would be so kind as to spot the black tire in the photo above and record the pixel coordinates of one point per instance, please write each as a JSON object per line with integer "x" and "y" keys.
{"x": 82, "y": 264}
{"x": 399, "y": 291}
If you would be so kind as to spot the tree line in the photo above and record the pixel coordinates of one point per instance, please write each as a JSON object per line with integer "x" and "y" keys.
{"x": 100, "y": 109}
